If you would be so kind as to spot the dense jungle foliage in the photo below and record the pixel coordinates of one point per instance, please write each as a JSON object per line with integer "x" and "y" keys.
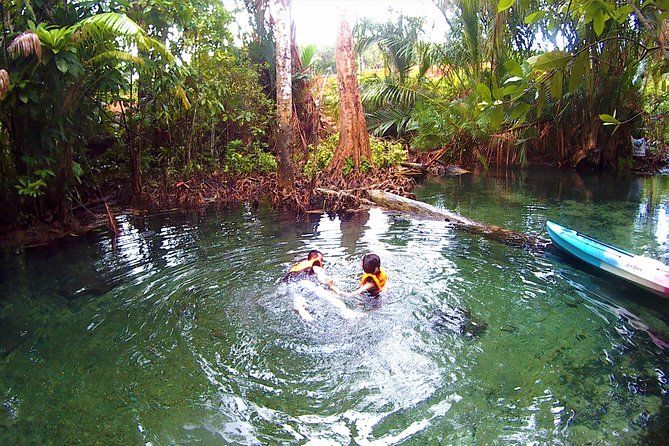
{"x": 122, "y": 98}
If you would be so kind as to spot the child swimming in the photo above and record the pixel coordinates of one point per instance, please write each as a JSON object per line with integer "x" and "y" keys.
{"x": 312, "y": 266}
{"x": 373, "y": 280}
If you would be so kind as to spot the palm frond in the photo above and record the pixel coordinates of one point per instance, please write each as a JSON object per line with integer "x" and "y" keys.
{"x": 115, "y": 55}
{"x": 181, "y": 94}
{"x": 387, "y": 93}
{"x": 307, "y": 54}
{"x": 4, "y": 83}
{"x": 121, "y": 25}
{"x": 26, "y": 43}
{"x": 390, "y": 121}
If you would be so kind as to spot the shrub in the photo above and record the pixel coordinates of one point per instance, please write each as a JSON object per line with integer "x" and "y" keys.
{"x": 385, "y": 153}
{"x": 243, "y": 159}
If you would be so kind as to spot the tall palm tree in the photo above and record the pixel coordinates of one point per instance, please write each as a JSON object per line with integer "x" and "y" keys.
{"x": 389, "y": 101}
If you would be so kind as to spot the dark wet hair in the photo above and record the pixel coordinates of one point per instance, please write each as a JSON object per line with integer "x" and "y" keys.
{"x": 315, "y": 254}
{"x": 371, "y": 263}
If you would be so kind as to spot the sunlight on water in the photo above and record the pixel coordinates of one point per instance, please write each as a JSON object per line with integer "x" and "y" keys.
{"x": 181, "y": 331}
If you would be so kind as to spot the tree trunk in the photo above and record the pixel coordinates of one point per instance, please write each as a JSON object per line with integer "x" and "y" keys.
{"x": 284, "y": 96}
{"x": 305, "y": 106}
{"x": 353, "y": 136}
{"x": 136, "y": 171}
{"x": 63, "y": 179}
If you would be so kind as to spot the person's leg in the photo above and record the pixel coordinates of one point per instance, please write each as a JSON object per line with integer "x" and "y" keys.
{"x": 300, "y": 305}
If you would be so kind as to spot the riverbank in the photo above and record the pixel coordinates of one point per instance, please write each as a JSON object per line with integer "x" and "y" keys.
{"x": 200, "y": 192}
{"x": 310, "y": 194}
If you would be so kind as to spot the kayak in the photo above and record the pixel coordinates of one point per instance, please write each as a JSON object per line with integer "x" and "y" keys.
{"x": 645, "y": 272}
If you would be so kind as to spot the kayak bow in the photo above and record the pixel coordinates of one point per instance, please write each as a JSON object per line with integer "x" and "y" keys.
{"x": 645, "y": 272}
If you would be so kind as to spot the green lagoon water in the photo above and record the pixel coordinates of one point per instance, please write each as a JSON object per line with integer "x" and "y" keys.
{"x": 180, "y": 331}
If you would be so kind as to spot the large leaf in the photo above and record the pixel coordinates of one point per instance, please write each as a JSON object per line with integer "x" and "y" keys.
{"x": 533, "y": 18}
{"x": 556, "y": 86}
{"x": 577, "y": 71}
{"x": 114, "y": 55}
{"x": 484, "y": 92}
{"x": 513, "y": 68}
{"x": 119, "y": 24}
{"x": 503, "y": 5}
{"x": 496, "y": 117}
{"x": 609, "y": 119}
{"x": 307, "y": 54}
{"x": 395, "y": 122}
{"x": 599, "y": 22}
{"x": 519, "y": 112}
{"x": 550, "y": 61}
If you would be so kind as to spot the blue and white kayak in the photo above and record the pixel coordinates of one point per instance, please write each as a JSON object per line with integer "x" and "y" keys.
{"x": 647, "y": 273}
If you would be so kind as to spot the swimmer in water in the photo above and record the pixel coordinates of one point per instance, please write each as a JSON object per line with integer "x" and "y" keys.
{"x": 312, "y": 266}
{"x": 373, "y": 280}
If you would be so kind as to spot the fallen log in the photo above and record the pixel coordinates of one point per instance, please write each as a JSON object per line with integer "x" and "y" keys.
{"x": 414, "y": 166}
{"x": 394, "y": 202}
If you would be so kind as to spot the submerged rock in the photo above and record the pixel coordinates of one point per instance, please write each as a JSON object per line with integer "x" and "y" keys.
{"x": 459, "y": 321}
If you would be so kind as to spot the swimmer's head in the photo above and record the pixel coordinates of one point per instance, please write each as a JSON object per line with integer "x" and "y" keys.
{"x": 317, "y": 256}
{"x": 371, "y": 263}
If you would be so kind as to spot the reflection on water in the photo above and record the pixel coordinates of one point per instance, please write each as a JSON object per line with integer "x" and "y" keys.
{"x": 181, "y": 330}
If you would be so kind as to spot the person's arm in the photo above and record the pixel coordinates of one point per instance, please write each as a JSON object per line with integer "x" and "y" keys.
{"x": 332, "y": 286}
{"x": 360, "y": 290}
{"x": 321, "y": 276}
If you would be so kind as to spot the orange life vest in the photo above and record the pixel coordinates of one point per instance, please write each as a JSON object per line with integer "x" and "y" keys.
{"x": 379, "y": 279}
{"x": 304, "y": 264}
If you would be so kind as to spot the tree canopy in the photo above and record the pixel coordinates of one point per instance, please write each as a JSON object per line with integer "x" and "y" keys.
{"x": 143, "y": 96}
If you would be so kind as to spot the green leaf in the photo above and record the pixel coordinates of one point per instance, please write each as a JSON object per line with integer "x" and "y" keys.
{"x": 577, "y": 72}
{"x": 534, "y": 17}
{"x": 503, "y": 5}
{"x": 556, "y": 86}
{"x": 511, "y": 90}
{"x": 77, "y": 170}
{"x": 608, "y": 119}
{"x": 62, "y": 64}
{"x": 496, "y": 117}
{"x": 591, "y": 11}
{"x": 519, "y": 112}
{"x": 43, "y": 173}
{"x": 550, "y": 61}
{"x": 622, "y": 14}
{"x": 599, "y": 22}
{"x": 484, "y": 92}
{"x": 513, "y": 68}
